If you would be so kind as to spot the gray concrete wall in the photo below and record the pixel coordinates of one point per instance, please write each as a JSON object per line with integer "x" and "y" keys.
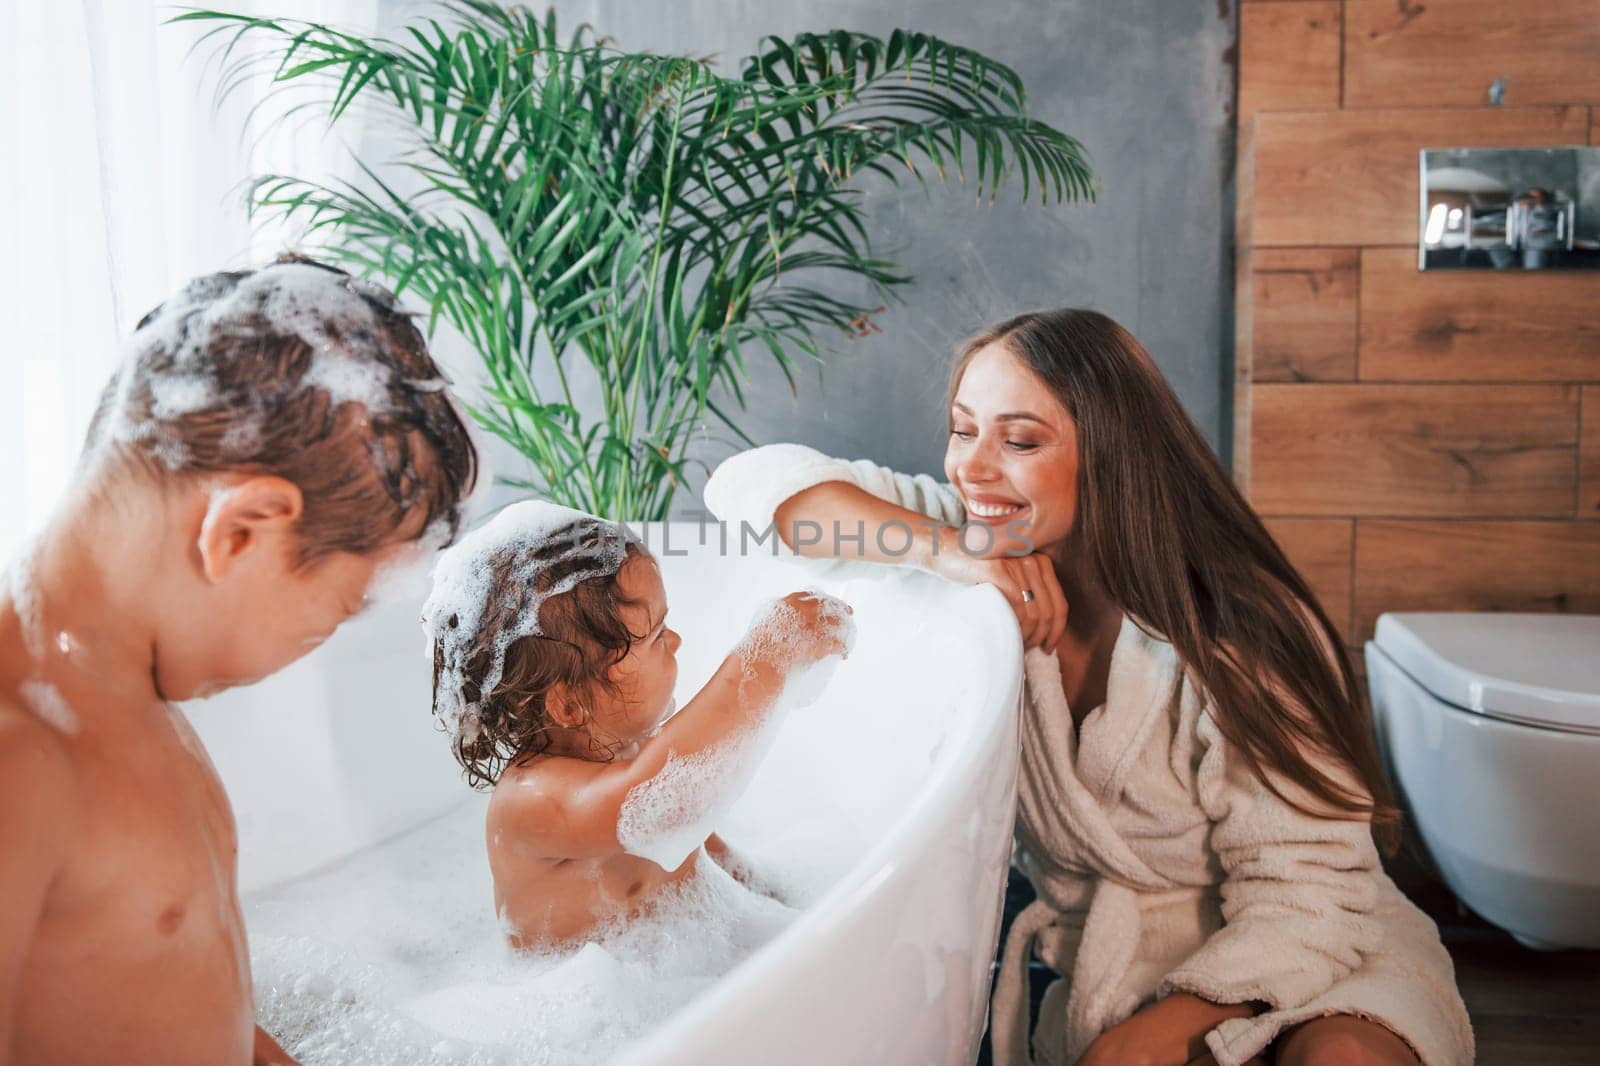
{"x": 1146, "y": 85}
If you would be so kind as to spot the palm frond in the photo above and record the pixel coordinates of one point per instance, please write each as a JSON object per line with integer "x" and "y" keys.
{"x": 559, "y": 199}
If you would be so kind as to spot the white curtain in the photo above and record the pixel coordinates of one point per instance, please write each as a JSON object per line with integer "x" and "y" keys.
{"x": 122, "y": 177}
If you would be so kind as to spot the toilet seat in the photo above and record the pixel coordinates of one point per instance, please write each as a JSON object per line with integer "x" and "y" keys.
{"x": 1534, "y": 669}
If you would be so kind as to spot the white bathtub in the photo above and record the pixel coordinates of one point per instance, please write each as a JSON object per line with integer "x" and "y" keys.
{"x": 904, "y": 806}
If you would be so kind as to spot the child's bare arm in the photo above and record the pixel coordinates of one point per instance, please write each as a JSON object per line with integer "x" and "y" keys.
{"x": 568, "y": 808}
{"x": 717, "y": 848}
{"x": 572, "y": 808}
{"x": 37, "y": 816}
{"x": 741, "y": 870}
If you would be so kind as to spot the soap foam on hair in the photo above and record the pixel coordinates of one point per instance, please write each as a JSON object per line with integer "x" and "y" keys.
{"x": 464, "y": 582}
{"x": 330, "y": 312}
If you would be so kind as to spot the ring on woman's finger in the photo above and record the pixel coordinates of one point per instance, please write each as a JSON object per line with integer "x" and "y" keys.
{"x": 1027, "y": 595}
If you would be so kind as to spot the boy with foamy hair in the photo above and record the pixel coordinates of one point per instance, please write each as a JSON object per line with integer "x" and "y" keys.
{"x": 271, "y": 438}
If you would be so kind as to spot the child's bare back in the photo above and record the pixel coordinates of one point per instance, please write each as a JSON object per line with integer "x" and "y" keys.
{"x": 583, "y": 758}
{"x": 555, "y": 878}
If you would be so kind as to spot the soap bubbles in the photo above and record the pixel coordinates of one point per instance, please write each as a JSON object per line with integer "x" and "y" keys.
{"x": 803, "y": 636}
{"x": 173, "y": 353}
{"x": 665, "y": 818}
{"x": 797, "y": 629}
{"x": 422, "y": 975}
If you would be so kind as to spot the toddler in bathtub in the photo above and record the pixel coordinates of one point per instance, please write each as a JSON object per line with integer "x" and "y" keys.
{"x": 554, "y": 670}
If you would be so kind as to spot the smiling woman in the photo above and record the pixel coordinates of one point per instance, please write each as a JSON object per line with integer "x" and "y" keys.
{"x": 1200, "y": 788}
{"x": 1013, "y": 453}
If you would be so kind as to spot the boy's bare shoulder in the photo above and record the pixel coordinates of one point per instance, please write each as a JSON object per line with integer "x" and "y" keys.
{"x": 37, "y": 771}
{"x": 23, "y": 734}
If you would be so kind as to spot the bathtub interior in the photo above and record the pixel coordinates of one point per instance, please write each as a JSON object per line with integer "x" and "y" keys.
{"x": 337, "y": 755}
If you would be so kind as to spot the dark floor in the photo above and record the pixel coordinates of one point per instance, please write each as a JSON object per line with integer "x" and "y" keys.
{"x": 1528, "y": 1008}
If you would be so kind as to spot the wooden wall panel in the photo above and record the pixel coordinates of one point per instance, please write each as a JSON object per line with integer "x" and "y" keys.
{"x": 1323, "y": 550}
{"x": 1243, "y": 304}
{"x": 1288, "y": 57}
{"x": 1474, "y": 566}
{"x": 1304, "y": 314}
{"x": 1411, "y": 54}
{"x": 1420, "y": 441}
{"x": 1347, "y": 178}
{"x": 1414, "y": 450}
{"x": 1468, "y": 325}
{"x": 1589, "y": 455}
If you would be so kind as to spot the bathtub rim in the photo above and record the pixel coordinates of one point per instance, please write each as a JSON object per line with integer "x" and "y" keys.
{"x": 934, "y": 807}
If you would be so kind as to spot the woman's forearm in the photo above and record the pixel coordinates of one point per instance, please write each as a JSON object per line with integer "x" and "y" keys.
{"x": 835, "y": 519}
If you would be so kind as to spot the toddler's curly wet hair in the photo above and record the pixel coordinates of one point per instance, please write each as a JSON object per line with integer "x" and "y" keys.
{"x": 581, "y": 637}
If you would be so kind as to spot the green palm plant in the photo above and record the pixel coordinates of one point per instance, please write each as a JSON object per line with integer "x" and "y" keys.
{"x": 639, "y": 212}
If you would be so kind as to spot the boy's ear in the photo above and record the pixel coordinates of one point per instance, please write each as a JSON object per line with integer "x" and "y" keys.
{"x": 244, "y": 516}
{"x": 561, "y": 709}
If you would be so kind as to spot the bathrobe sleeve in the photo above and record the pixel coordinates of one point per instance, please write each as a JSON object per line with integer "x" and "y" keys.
{"x": 750, "y": 486}
{"x": 1298, "y": 894}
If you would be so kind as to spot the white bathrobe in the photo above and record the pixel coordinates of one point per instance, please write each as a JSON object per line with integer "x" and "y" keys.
{"x": 1161, "y": 862}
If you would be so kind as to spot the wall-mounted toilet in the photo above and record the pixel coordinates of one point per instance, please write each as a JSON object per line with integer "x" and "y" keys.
{"x": 1490, "y": 725}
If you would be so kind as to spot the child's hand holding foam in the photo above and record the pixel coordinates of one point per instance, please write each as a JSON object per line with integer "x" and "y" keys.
{"x": 793, "y": 646}
{"x": 802, "y": 628}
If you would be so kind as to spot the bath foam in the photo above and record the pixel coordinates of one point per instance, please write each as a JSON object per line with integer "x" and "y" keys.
{"x": 333, "y": 314}
{"x": 404, "y": 577}
{"x": 45, "y": 700}
{"x": 22, "y": 587}
{"x": 244, "y": 435}
{"x": 348, "y": 380}
{"x": 175, "y": 395}
{"x": 464, "y": 600}
{"x": 413, "y": 916}
{"x": 667, "y": 817}
{"x": 773, "y": 635}
{"x": 420, "y": 973}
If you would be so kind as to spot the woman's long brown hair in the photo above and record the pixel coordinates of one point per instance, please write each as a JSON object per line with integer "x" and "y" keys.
{"x": 1173, "y": 542}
